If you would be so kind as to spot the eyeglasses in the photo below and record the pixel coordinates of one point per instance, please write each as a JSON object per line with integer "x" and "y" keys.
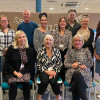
{"x": 4, "y": 21}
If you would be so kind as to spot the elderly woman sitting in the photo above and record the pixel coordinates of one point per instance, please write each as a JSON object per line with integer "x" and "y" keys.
{"x": 49, "y": 64}
{"x": 78, "y": 61}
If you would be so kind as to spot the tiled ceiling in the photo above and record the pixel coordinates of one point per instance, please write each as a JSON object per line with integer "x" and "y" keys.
{"x": 59, "y": 6}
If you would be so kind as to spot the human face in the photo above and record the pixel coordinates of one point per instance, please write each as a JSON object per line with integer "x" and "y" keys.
{"x": 71, "y": 16}
{"x": 21, "y": 40}
{"x": 26, "y": 16}
{"x": 48, "y": 42}
{"x": 62, "y": 23}
{"x": 85, "y": 22}
{"x": 77, "y": 43}
{"x": 43, "y": 21}
{"x": 4, "y": 22}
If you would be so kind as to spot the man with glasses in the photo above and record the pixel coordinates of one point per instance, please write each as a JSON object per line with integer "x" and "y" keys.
{"x": 72, "y": 24}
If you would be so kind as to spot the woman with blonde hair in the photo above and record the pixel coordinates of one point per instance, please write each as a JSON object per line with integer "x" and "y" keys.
{"x": 18, "y": 64}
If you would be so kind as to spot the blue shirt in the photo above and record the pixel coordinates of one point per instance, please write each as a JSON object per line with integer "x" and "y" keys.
{"x": 28, "y": 28}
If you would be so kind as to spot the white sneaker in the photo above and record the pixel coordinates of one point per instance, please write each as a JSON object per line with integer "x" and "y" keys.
{"x": 98, "y": 96}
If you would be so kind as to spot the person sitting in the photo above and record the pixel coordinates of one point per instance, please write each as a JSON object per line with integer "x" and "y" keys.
{"x": 18, "y": 63}
{"x": 78, "y": 61}
{"x": 49, "y": 65}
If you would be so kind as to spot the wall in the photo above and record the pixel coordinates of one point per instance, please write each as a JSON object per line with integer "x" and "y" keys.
{"x": 16, "y": 17}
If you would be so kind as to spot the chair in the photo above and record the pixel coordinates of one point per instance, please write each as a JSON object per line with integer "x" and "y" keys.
{"x": 66, "y": 84}
{"x": 39, "y": 81}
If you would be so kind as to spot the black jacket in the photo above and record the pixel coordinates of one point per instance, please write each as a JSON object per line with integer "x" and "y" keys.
{"x": 13, "y": 62}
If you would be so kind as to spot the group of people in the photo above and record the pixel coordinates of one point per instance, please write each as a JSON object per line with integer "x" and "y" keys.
{"x": 66, "y": 53}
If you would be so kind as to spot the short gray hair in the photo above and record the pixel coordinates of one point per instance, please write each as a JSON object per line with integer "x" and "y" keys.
{"x": 78, "y": 36}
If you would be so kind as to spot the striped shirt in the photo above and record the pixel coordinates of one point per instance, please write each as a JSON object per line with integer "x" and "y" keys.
{"x": 6, "y": 40}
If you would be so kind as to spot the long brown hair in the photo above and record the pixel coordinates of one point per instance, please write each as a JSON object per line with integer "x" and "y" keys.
{"x": 97, "y": 31}
{"x": 0, "y": 22}
{"x": 60, "y": 20}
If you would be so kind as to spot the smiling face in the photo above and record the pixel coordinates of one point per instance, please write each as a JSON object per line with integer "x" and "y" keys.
{"x": 21, "y": 40}
{"x": 71, "y": 16}
{"x": 77, "y": 43}
{"x": 43, "y": 21}
{"x": 26, "y": 16}
{"x": 62, "y": 23}
{"x": 4, "y": 22}
{"x": 48, "y": 41}
{"x": 85, "y": 22}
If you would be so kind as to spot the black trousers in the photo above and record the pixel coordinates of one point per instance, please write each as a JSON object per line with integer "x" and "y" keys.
{"x": 13, "y": 90}
{"x": 78, "y": 86}
{"x": 45, "y": 81}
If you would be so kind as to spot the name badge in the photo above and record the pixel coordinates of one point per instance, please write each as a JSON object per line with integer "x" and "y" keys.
{"x": 50, "y": 69}
{"x": 22, "y": 66}
{"x": 61, "y": 45}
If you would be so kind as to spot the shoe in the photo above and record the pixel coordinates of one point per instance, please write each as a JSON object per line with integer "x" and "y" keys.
{"x": 98, "y": 96}
{"x": 46, "y": 91}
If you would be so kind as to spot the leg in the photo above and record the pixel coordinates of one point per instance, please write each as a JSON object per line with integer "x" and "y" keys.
{"x": 44, "y": 82}
{"x": 13, "y": 91}
{"x": 26, "y": 90}
{"x": 55, "y": 86}
{"x": 38, "y": 97}
{"x": 57, "y": 97}
{"x": 78, "y": 86}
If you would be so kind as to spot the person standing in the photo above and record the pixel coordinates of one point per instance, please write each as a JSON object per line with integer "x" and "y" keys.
{"x": 62, "y": 41}
{"x": 6, "y": 37}
{"x": 72, "y": 24}
{"x": 28, "y": 27}
{"x": 41, "y": 32}
{"x": 97, "y": 52}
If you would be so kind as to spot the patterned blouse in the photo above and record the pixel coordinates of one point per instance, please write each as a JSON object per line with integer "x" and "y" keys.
{"x": 44, "y": 62}
{"x": 39, "y": 38}
{"x": 66, "y": 40}
{"x": 84, "y": 57}
{"x": 6, "y": 40}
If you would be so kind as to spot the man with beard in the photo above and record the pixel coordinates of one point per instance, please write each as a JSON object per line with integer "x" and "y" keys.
{"x": 72, "y": 24}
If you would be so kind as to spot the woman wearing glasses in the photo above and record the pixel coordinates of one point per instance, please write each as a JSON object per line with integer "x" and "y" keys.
{"x": 78, "y": 61}
{"x": 6, "y": 36}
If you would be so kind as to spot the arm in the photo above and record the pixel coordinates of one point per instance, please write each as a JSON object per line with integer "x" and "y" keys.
{"x": 58, "y": 63}
{"x": 89, "y": 59}
{"x": 8, "y": 61}
{"x": 40, "y": 66}
{"x": 70, "y": 41}
{"x": 37, "y": 43}
{"x": 96, "y": 56}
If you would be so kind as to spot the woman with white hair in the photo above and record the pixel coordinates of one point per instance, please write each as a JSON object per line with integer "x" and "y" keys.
{"x": 18, "y": 64}
{"x": 78, "y": 61}
{"x": 49, "y": 64}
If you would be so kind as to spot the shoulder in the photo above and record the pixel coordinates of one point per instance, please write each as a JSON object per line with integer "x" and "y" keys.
{"x": 68, "y": 31}
{"x": 33, "y": 23}
{"x": 91, "y": 30}
{"x": 22, "y": 23}
{"x": 12, "y": 30}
